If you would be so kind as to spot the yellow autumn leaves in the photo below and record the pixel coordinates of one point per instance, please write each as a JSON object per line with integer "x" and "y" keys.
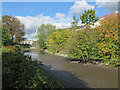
{"x": 58, "y": 39}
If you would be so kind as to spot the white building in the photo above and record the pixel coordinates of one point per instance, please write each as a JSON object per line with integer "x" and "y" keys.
{"x": 31, "y": 42}
{"x": 96, "y": 24}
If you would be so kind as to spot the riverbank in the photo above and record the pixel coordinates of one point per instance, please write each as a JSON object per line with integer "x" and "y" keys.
{"x": 58, "y": 54}
{"x": 80, "y": 61}
{"x": 76, "y": 75}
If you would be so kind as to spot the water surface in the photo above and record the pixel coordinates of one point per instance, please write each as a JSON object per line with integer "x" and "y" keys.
{"x": 75, "y": 75}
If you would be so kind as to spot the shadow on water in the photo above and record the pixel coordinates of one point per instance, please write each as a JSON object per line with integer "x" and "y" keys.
{"x": 66, "y": 78}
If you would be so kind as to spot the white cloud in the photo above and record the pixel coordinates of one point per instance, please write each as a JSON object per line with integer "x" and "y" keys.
{"x": 79, "y": 7}
{"x": 62, "y": 20}
{"x": 108, "y": 4}
{"x": 107, "y": 0}
{"x": 32, "y": 23}
{"x": 59, "y": 15}
{"x": 30, "y": 36}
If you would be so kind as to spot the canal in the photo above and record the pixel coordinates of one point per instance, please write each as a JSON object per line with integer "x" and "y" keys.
{"x": 76, "y": 75}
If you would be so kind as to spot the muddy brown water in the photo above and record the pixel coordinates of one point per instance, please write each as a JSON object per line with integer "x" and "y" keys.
{"x": 75, "y": 75}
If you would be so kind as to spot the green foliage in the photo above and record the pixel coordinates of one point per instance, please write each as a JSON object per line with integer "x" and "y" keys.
{"x": 74, "y": 23}
{"x": 43, "y": 32}
{"x": 89, "y": 17}
{"x": 14, "y": 27}
{"x": 19, "y": 71}
{"x": 83, "y": 45}
{"x": 5, "y": 49}
{"x": 108, "y": 39}
{"x": 100, "y": 43}
{"x": 11, "y": 49}
{"x": 56, "y": 41}
{"x": 6, "y": 37}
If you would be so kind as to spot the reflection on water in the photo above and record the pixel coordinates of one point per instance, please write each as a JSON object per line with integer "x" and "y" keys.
{"x": 32, "y": 54}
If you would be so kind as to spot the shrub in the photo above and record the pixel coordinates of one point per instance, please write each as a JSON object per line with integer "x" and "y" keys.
{"x": 108, "y": 43}
{"x": 57, "y": 40}
{"x": 19, "y": 71}
{"x": 83, "y": 44}
{"x": 11, "y": 49}
{"x": 100, "y": 43}
{"x": 6, "y": 37}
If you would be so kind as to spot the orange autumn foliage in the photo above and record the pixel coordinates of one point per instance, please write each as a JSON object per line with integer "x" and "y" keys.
{"x": 108, "y": 36}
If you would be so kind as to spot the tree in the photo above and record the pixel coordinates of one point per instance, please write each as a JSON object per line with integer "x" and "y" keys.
{"x": 6, "y": 37}
{"x": 89, "y": 17}
{"x": 14, "y": 27}
{"x": 43, "y": 32}
{"x": 74, "y": 23}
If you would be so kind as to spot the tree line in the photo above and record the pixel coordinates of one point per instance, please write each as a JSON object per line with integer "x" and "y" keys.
{"x": 44, "y": 31}
{"x": 98, "y": 44}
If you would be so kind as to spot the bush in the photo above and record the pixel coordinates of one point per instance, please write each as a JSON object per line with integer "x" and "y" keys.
{"x": 83, "y": 45}
{"x": 19, "y": 71}
{"x": 9, "y": 49}
{"x": 100, "y": 43}
{"x": 57, "y": 40}
{"x": 6, "y": 37}
{"x": 108, "y": 43}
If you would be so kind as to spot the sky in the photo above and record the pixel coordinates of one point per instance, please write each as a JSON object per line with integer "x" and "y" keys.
{"x": 33, "y": 14}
